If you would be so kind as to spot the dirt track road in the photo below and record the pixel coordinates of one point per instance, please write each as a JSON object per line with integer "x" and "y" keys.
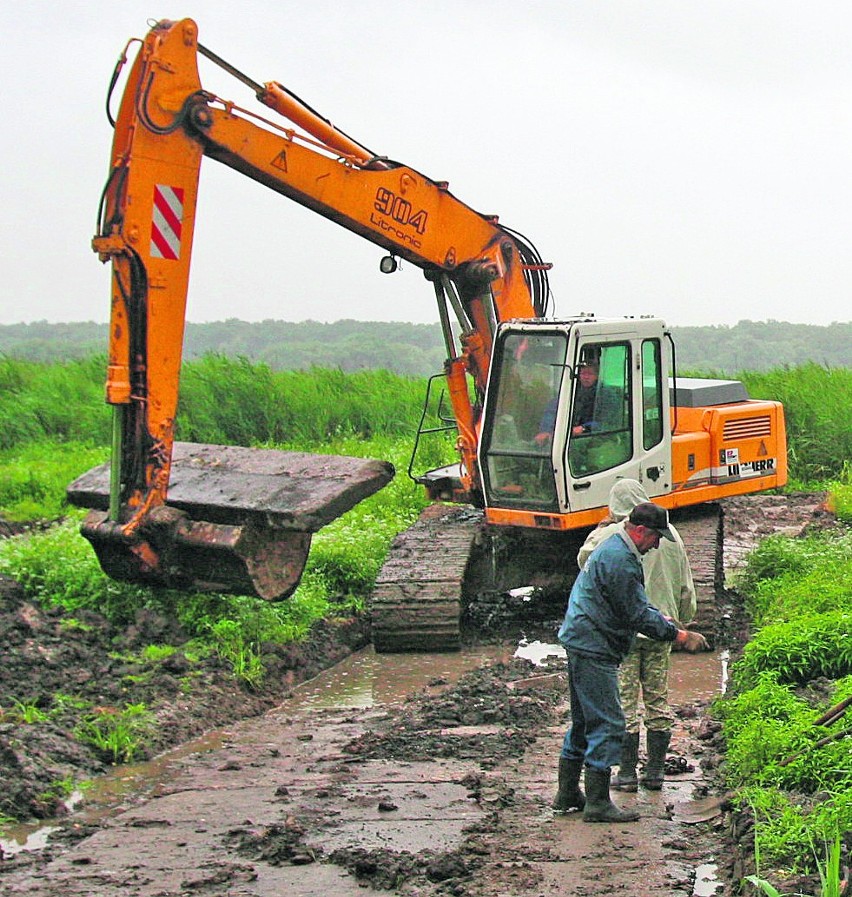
{"x": 307, "y": 801}
{"x": 447, "y": 793}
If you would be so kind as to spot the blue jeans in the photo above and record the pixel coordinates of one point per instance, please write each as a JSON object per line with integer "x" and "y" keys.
{"x": 597, "y": 722}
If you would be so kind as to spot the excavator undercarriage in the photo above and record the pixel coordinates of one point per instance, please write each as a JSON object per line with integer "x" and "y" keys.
{"x": 451, "y": 576}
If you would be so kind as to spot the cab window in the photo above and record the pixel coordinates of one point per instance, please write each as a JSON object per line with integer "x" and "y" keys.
{"x": 518, "y": 469}
{"x": 600, "y": 435}
{"x": 652, "y": 394}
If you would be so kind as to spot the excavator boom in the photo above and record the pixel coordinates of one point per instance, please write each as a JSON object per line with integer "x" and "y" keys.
{"x": 155, "y": 516}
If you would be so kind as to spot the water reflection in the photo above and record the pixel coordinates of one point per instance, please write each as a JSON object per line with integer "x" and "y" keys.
{"x": 540, "y": 654}
{"x": 706, "y": 883}
{"x": 25, "y": 837}
{"x": 692, "y": 677}
{"x": 367, "y": 679}
{"x": 696, "y": 677}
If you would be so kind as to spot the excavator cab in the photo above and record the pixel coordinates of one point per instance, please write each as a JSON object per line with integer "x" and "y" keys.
{"x": 568, "y": 411}
{"x": 574, "y": 405}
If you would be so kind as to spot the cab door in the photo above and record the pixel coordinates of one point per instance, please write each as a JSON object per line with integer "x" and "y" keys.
{"x": 653, "y": 430}
{"x": 627, "y": 436}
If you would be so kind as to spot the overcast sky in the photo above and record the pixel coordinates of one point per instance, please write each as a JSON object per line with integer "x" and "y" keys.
{"x": 679, "y": 158}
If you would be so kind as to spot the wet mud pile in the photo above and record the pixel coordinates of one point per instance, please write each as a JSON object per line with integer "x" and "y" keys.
{"x": 56, "y": 671}
{"x": 486, "y": 717}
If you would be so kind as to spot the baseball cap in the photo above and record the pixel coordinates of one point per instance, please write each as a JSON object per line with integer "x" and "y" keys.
{"x": 653, "y": 517}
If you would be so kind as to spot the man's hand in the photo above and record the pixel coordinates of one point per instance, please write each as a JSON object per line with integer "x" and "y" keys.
{"x": 691, "y": 641}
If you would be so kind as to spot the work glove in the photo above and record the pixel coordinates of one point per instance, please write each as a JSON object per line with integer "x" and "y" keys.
{"x": 691, "y": 641}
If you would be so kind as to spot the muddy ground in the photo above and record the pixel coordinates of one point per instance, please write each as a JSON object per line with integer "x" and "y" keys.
{"x": 446, "y": 794}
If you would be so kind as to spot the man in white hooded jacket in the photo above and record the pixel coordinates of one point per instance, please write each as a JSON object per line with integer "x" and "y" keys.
{"x": 669, "y": 586}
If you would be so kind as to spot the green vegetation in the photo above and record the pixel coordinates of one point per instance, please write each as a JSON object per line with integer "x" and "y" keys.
{"x": 233, "y": 646}
{"x": 234, "y": 401}
{"x": 795, "y": 587}
{"x": 155, "y": 653}
{"x": 25, "y": 712}
{"x": 56, "y": 425}
{"x": 59, "y": 790}
{"x": 763, "y": 346}
{"x": 63, "y": 702}
{"x": 119, "y": 734}
{"x": 795, "y": 776}
{"x": 840, "y": 494}
{"x": 33, "y": 477}
{"x": 790, "y": 761}
{"x": 56, "y": 402}
{"x": 829, "y": 867}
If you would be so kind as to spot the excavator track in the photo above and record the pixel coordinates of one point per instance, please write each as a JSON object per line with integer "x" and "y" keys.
{"x": 702, "y": 530}
{"x": 448, "y": 567}
{"x": 416, "y": 604}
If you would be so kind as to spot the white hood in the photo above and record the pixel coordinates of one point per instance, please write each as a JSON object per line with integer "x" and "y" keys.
{"x": 624, "y": 496}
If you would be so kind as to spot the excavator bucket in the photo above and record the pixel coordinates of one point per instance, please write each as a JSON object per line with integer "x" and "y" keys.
{"x": 237, "y": 520}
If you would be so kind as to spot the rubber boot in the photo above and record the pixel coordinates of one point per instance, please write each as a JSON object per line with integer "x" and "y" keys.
{"x": 599, "y": 807}
{"x": 655, "y": 768}
{"x": 626, "y": 779}
{"x": 569, "y": 796}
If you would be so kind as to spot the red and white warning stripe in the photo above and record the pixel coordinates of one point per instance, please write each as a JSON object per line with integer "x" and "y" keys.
{"x": 167, "y": 222}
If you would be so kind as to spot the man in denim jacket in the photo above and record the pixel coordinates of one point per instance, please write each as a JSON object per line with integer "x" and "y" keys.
{"x": 606, "y": 609}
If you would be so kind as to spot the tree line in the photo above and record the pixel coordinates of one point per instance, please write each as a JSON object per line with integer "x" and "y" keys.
{"x": 418, "y": 349}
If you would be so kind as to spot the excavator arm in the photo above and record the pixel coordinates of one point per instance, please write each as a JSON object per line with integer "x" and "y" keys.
{"x": 481, "y": 273}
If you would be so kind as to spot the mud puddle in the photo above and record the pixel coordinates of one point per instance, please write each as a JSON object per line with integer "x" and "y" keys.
{"x": 691, "y": 677}
{"x": 366, "y": 679}
{"x": 362, "y": 680}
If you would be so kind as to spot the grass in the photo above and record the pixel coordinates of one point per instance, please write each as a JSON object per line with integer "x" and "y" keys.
{"x": 829, "y": 868}
{"x": 840, "y": 494}
{"x": 156, "y": 653}
{"x": 232, "y": 645}
{"x": 232, "y": 400}
{"x": 33, "y": 477}
{"x": 120, "y": 734}
{"x": 60, "y": 403}
{"x": 60, "y": 789}
{"x": 26, "y": 713}
{"x": 795, "y": 776}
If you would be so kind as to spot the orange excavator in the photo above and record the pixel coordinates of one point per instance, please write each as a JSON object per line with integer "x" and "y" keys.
{"x": 231, "y": 518}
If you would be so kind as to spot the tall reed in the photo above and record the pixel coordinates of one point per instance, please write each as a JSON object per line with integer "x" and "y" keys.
{"x": 818, "y": 409}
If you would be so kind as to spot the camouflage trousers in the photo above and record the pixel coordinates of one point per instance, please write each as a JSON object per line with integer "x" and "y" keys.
{"x": 646, "y": 670}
